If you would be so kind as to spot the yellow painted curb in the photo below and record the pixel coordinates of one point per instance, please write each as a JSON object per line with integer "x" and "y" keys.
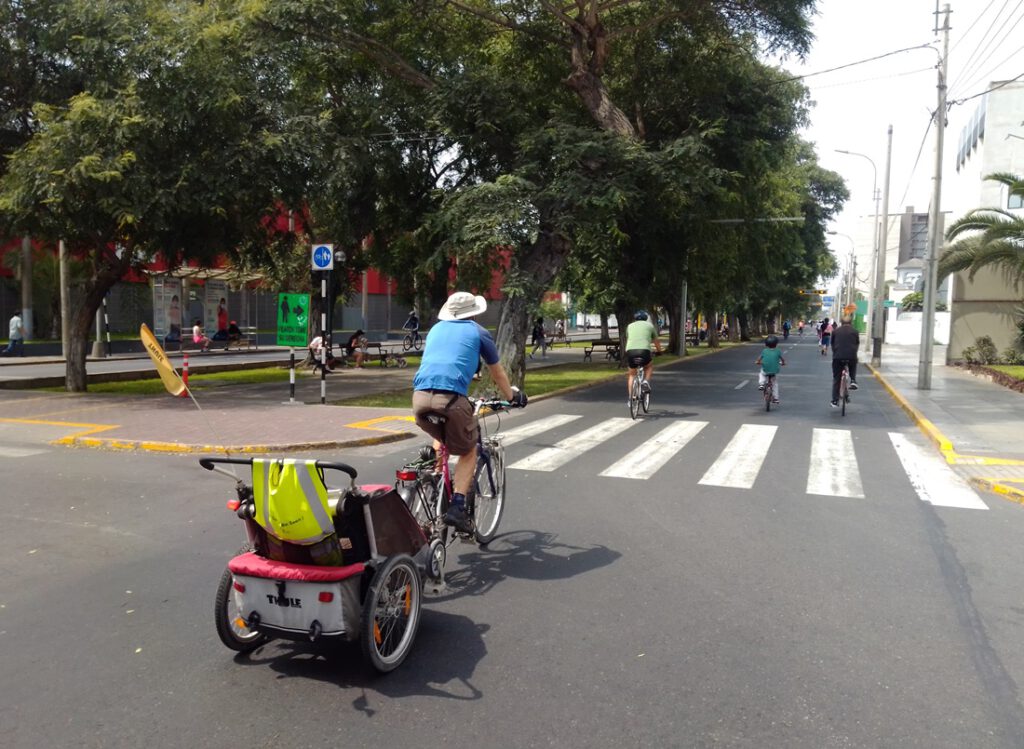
{"x": 174, "y": 447}
{"x": 1011, "y": 493}
{"x": 929, "y": 429}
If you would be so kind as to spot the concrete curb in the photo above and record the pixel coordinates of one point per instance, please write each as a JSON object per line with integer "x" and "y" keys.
{"x": 930, "y": 430}
{"x": 945, "y": 446}
{"x": 175, "y": 447}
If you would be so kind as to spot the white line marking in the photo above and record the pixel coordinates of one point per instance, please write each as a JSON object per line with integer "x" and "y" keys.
{"x": 742, "y": 384}
{"x": 741, "y": 460}
{"x": 19, "y": 452}
{"x": 561, "y": 453}
{"x": 833, "y": 471}
{"x": 933, "y": 480}
{"x": 645, "y": 460}
{"x": 520, "y": 433}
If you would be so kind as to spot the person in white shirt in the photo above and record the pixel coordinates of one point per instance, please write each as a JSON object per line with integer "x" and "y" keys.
{"x": 17, "y": 337}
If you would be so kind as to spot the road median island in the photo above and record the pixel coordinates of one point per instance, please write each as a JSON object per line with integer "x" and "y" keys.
{"x": 541, "y": 383}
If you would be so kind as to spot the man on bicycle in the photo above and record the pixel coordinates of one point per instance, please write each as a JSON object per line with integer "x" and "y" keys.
{"x": 845, "y": 342}
{"x": 640, "y": 336}
{"x": 412, "y": 324}
{"x": 450, "y": 357}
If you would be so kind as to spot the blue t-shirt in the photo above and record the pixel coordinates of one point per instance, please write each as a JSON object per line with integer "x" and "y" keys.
{"x": 451, "y": 356}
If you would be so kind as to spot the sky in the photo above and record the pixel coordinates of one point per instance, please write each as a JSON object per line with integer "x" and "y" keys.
{"x": 854, "y": 106}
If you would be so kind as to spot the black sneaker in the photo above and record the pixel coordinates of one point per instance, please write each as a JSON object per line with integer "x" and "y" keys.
{"x": 457, "y": 518}
{"x": 761, "y": 388}
{"x": 853, "y": 385}
{"x": 834, "y": 404}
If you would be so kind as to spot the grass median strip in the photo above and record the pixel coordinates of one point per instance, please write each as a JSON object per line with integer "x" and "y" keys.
{"x": 196, "y": 382}
{"x": 538, "y": 382}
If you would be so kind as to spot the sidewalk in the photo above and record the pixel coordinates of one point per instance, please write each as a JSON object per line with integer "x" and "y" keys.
{"x": 231, "y": 415}
{"x": 976, "y": 424}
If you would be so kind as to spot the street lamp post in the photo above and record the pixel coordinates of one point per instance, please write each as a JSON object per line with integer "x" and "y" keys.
{"x": 851, "y": 267}
{"x": 874, "y": 299}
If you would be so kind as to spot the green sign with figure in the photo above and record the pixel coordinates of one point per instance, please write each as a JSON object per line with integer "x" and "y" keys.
{"x": 292, "y": 319}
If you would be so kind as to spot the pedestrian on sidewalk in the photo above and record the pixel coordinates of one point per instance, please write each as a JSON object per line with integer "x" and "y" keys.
{"x": 17, "y": 337}
{"x": 845, "y": 342}
{"x": 539, "y": 339}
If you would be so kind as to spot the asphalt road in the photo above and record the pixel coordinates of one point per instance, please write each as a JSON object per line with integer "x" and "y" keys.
{"x": 803, "y": 595}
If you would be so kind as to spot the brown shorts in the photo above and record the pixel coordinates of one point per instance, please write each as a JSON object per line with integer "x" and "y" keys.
{"x": 459, "y": 431}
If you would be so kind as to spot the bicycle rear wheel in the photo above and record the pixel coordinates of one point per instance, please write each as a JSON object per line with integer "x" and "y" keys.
{"x": 645, "y": 398}
{"x": 407, "y": 343}
{"x": 634, "y": 397}
{"x": 489, "y": 502}
{"x": 844, "y": 392}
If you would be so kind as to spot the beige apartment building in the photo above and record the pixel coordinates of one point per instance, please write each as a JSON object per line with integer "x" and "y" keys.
{"x": 991, "y": 139}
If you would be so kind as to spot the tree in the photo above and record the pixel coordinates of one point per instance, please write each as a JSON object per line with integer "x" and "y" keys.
{"x": 988, "y": 237}
{"x": 169, "y": 150}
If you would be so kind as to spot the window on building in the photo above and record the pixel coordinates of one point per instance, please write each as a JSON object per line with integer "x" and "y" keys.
{"x": 1015, "y": 201}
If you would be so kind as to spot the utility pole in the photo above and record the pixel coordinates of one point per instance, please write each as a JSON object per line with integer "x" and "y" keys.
{"x": 924, "y": 363}
{"x": 65, "y": 299}
{"x": 26, "y": 287}
{"x": 878, "y": 329}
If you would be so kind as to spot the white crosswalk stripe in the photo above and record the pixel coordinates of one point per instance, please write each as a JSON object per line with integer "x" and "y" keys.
{"x": 833, "y": 470}
{"x": 518, "y": 434}
{"x": 741, "y": 460}
{"x": 20, "y": 452}
{"x": 933, "y": 480}
{"x": 562, "y": 452}
{"x": 645, "y": 460}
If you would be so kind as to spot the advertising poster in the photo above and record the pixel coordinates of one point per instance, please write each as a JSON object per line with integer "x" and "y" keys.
{"x": 167, "y": 307}
{"x": 215, "y": 309}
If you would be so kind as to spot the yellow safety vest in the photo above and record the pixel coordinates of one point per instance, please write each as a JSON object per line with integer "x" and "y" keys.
{"x": 291, "y": 500}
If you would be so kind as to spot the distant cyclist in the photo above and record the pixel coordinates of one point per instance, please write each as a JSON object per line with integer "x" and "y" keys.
{"x": 825, "y": 335}
{"x": 785, "y": 329}
{"x": 845, "y": 342}
{"x": 800, "y": 327}
{"x": 770, "y": 360}
{"x": 641, "y": 335}
{"x": 412, "y": 324}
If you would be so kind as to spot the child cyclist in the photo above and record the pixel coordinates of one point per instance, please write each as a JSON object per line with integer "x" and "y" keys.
{"x": 770, "y": 360}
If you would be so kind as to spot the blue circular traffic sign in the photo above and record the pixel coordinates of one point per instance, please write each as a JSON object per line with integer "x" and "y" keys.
{"x": 323, "y": 257}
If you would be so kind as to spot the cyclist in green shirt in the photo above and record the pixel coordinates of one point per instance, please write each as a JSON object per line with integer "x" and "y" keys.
{"x": 771, "y": 361}
{"x": 640, "y": 336}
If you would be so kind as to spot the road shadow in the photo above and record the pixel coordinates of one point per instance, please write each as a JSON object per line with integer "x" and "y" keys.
{"x": 524, "y": 555}
{"x": 444, "y": 656}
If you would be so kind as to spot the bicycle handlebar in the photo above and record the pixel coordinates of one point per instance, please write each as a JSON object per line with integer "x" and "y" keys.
{"x": 209, "y": 463}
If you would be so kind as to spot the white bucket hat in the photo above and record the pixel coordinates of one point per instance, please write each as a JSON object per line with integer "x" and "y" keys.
{"x": 461, "y": 305}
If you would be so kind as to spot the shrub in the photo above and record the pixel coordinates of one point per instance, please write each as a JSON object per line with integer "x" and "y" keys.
{"x": 987, "y": 351}
{"x": 1012, "y": 356}
{"x": 970, "y": 354}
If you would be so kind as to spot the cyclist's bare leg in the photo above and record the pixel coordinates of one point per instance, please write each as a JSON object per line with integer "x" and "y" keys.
{"x": 629, "y": 382}
{"x": 648, "y": 369}
{"x": 464, "y": 470}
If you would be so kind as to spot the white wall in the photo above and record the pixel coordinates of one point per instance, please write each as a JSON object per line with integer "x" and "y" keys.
{"x": 904, "y": 328}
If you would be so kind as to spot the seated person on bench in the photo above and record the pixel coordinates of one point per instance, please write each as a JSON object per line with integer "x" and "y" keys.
{"x": 317, "y": 348}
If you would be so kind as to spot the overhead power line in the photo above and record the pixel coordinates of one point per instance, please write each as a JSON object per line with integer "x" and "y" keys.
{"x": 982, "y": 45}
{"x": 993, "y": 88}
{"x": 972, "y": 76}
{"x": 973, "y": 24}
{"x": 852, "y": 64}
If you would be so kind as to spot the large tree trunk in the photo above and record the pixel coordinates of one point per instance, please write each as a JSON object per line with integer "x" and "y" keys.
{"x": 675, "y": 327}
{"x": 744, "y": 325}
{"x": 107, "y": 271}
{"x": 536, "y": 268}
{"x": 604, "y": 325}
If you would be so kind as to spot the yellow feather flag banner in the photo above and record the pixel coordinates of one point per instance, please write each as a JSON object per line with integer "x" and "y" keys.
{"x": 170, "y": 377}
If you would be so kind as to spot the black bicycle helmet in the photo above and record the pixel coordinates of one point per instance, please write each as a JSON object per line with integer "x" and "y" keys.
{"x": 771, "y": 341}
{"x": 639, "y": 315}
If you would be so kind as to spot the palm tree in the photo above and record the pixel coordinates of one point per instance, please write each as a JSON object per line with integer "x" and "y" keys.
{"x": 994, "y": 237}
